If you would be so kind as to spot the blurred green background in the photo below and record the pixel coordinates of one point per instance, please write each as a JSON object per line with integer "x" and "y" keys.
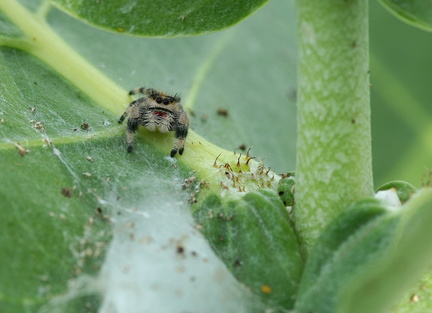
{"x": 401, "y": 93}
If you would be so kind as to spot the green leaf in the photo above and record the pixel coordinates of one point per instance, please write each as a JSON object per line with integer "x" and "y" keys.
{"x": 376, "y": 265}
{"x": 403, "y": 189}
{"x": 164, "y": 18}
{"x": 286, "y": 189}
{"x": 415, "y": 12}
{"x": 59, "y": 196}
{"x": 254, "y": 238}
{"x": 418, "y": 298}
{"x": 350, "y": 221}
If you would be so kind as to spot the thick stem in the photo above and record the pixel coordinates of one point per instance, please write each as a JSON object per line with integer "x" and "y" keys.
{"x": 334, "y": 166}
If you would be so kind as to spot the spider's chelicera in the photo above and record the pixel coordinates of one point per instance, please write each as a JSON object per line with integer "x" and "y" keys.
{"x": 156, "y": 111}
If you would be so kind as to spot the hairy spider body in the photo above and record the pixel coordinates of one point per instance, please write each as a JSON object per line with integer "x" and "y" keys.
{"x": 159, "y": 111}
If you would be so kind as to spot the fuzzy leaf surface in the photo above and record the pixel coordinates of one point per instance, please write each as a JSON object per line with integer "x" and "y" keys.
{"x": 269, "y": 263}
{"x": 374, "y": 266}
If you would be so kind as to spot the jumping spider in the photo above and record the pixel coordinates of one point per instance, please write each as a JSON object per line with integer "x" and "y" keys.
{"x": 156, "y": 111}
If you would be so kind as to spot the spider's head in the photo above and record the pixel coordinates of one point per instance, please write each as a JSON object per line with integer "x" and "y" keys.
{"x": 162, "y": 99}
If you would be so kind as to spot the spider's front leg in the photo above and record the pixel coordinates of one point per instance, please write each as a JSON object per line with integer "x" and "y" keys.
{"x": 122, "y": 118}
{"x": 181, "y": 131}
{"x": 132, "y": 126}
{"x": 132, "y": 112}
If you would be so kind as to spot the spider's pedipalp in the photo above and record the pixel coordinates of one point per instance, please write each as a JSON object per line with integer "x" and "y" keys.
{"x": 122, "y": 118}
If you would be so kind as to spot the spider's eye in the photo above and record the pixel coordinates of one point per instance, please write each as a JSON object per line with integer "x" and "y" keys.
{"x": 165, "y": 101}
{"x": 159, "y": 100}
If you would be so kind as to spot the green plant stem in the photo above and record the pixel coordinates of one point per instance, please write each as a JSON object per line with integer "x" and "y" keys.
{"x": 41, "y": 41}
{"x": 334, "y": 166}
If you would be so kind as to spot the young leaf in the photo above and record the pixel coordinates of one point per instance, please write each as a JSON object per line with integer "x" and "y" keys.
{"x": 161, "y": 18}
{"x": 254, "y": 238}
{"x": 376, "y": 265}
{"x": 415, "y": 12}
